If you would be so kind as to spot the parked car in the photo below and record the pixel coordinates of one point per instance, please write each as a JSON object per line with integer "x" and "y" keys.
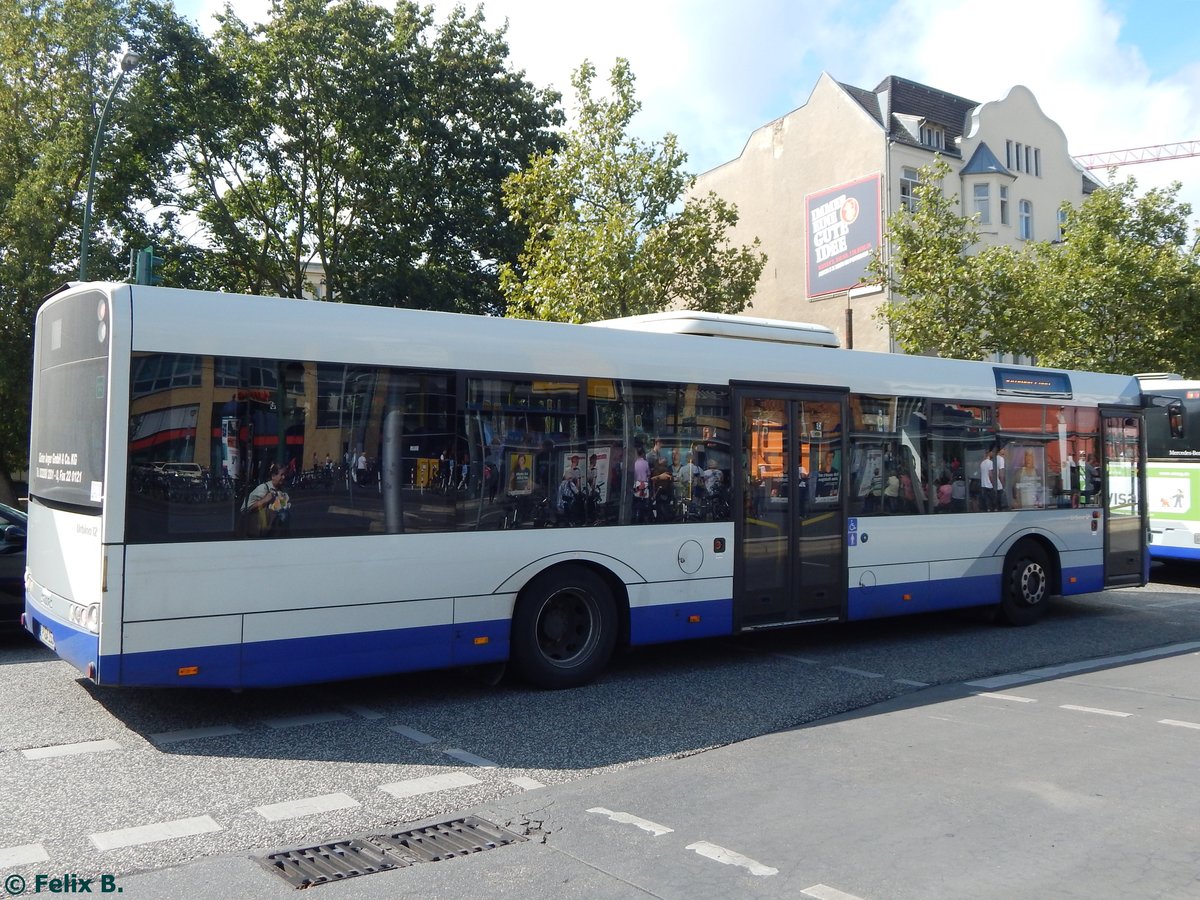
{"x": 12, "y": 567}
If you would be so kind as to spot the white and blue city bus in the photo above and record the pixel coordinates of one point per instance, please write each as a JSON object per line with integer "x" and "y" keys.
{"x": 235, "y": 491}
{"x": 1173, "y": 466}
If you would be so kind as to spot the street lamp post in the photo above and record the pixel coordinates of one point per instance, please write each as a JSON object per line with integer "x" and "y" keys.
{"x": 128, "y": 62}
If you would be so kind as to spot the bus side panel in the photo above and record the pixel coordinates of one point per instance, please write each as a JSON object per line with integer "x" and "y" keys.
{"x": 193, "y": 652}
{"x": 1082, "y": 571}
{"x": 676, "y": 611}
{"x": 293, "y": 646}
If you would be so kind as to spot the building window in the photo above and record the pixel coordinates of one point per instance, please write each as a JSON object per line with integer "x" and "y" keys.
{"x": 933, "y": 136}
{"x": 983, "y": 203}
{"x": 909, "y": 179}
{"x": 1004, "y": 215}
{"x": 1028, "y": 158}
{"x": 1020, "y": 153}
{"x": 1025, "y": 224}
{"x": 1037, "y": 162}
{"x": 1008, "y": 155}
{"x": 1062, "y": 224}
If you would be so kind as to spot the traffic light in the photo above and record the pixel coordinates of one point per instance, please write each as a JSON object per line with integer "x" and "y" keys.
{"x": 144, "y": 263}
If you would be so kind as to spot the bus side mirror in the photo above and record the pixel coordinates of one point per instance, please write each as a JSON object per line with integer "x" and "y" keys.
{"x": 1176, "y": 419}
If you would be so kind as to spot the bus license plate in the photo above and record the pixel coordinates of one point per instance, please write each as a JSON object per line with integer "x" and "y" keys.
{"x": 46, "y": 636}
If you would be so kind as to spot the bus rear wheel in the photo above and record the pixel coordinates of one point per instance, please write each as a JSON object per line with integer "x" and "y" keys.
{"x": 564, "y": 628}
{"x": 1026, "y": 588}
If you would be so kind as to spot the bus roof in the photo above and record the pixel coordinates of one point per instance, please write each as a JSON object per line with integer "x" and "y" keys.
{"x": 710, "y": 324}
{"x": 158, "y": 319}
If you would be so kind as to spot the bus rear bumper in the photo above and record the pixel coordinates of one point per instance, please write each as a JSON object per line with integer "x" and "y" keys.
{"x": 78, "y": 646}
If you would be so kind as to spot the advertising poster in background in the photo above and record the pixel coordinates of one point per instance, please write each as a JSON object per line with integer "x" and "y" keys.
{"x": 843, "y": 228}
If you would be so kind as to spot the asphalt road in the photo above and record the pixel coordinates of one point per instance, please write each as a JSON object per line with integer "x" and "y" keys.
{"x": 185, "y": 786}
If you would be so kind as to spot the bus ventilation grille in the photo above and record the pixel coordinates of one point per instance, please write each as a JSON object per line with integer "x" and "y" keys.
{"x": 339, "y": 860}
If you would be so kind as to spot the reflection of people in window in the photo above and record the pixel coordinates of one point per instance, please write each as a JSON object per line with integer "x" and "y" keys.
{"x": 268, "y": 505}
{"x": 1025, "y": 482}
{"x": 518, "y": 482}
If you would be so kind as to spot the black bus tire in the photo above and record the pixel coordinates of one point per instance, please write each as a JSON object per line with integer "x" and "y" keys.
{"x": 1025, "y": 591}
{"x": 564, "y": 628}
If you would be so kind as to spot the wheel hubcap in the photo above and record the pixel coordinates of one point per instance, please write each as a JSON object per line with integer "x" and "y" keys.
{"x": 1033, "y": 583}
{"x": 566, "y": 628}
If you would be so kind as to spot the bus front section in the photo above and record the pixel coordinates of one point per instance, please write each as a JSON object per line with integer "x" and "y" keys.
{"x": 66, "y": 574}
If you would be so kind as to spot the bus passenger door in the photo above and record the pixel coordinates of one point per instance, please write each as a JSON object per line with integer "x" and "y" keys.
{"x": 1124, "y": 501}
{"x": 788, "y": 505}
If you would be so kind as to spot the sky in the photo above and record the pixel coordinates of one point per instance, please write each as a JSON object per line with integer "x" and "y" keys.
{"x": 1114, "y": 74}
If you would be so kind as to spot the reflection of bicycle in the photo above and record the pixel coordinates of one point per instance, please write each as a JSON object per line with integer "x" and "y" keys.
{"x": 712, "y": 505}
{"x": 531, "y": 510}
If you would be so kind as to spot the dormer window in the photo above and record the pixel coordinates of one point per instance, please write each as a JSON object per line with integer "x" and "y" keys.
{"x": 933, "y": 136}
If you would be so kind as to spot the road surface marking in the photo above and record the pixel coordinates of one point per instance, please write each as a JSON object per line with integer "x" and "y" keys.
{"x": 732, "y": 858}
{"x": 413, "y": 735}
{"x": 1099, "y": 712}
{"x": 825, "y": 892}
{"x": 294, "y": 809}
{"x": 1013, "y": 697}
{"x": 629, "y": 819}
{"x": 414, "y": 787}
{"x": 309, "y": 719}
{"x": 1179, "y": 724}
{"x": 364, "y": 712}
{"x": 861, "y": 672}
{"x": 71, "y": 749}
{"x": 149, "y": 834}
{"x": 22, "y": 856}
{"x": 471, "y": 759}
{"x": 193, "y": 734}
{"x": 528, "y": 784}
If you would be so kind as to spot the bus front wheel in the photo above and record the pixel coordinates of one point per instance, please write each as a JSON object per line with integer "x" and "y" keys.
{"x": 1026, "y": 588}
{"x": 564, "y": 628}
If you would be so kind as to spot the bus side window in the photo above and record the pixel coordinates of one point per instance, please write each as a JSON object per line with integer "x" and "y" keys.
{"x": 1177, "y": 420}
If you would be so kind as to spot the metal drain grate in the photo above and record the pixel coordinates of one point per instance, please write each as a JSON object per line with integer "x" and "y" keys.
{"x": 339, "y": 860}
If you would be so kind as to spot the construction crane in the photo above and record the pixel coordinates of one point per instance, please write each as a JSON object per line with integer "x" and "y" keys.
{"x": 1134, "y": 155}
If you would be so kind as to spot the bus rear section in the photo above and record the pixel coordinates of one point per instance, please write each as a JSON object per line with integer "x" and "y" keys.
{"x": 1173, "y": 466}
{"x": 66, "y": 576}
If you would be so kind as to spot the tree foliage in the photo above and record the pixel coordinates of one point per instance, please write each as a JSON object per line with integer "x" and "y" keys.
{"x": 607, "y": 237}
{"x": 368, "y": 143}
{"x": 1119, "y": 293}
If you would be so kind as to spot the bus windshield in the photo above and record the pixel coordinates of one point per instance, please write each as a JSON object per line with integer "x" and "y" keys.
{"x": 67, "y": 452}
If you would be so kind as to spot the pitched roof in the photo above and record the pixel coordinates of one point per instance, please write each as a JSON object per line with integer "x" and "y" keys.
{"x": 983, "y": 162}
{"x": 895, "y": 96}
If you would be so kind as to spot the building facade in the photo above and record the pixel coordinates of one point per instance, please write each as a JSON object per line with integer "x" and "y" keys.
{"x": 818, "y": 185}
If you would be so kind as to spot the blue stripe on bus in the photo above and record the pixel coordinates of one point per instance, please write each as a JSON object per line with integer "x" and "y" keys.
{"x": 669, "y": 622}
{"x": 325, "y": 658}
{"x": 1088, "y": 579}
{"x": 75, "y": 645}
{"x": 1167, "y": 551}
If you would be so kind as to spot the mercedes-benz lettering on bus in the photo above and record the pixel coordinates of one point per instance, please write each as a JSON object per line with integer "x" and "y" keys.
{"x": 242, "y": 491}
{"x": 1173, "y": 466}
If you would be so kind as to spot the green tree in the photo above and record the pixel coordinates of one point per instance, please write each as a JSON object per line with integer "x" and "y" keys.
{"x": 57, "y": 66}
{"x": 606, "y": 235}
{"x": 1121, "y": 293}
{"x": 370, "y": 144}
{"x": 942, "y": 299}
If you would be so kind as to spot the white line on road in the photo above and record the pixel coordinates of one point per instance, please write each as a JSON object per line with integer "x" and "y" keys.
{"x": 526, "y": 784}
{"x": 1070, "y": 668}
{"x": 471, "y": 759}
{"x": 1013, "y": 697}
{"x": 309, "y": 719}
{"x": 413, "y": 735}
{"x": 629, "y": 819}
{"x": 193, "y": 734}
{"x": 294, "y": 809}
{"x": 149, "y": 834}
{"x": 22, "y": 856}
{"x": 414, "y": 787}
{"x": 71, "y": 749}
{"x": 364, "y": 712}
{"x": 1099, "y": 712}
{"x": 825, "y": 892}
{"x": 910, "y": 682}
{"x": 800, "y": 659}
{"x": 1179, "y": 724}
{"x": 732, "y": 858}
{"x": 861, "y": 672}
